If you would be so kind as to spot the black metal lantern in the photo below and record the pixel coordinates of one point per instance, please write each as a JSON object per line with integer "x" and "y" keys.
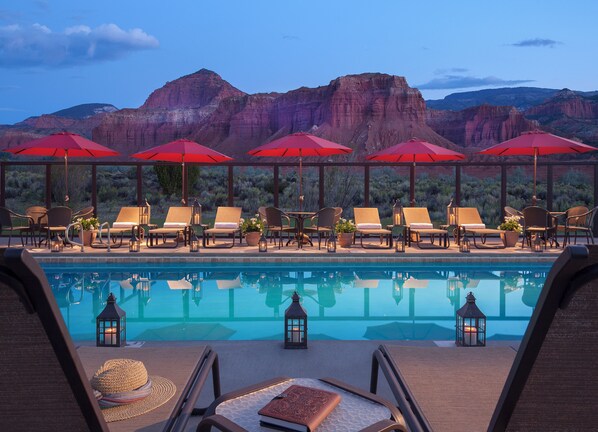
{"x": 145, "y": 213}
{"x": 193, "y": 242}
{"x": 110, "y": 325}
{"x": 400, "y": 243}
{"x": 464, "y": 245}
{"x": 397, "y": 213}
{"x": 331, "y": 244}
{"x": 134, "y": 243}
{"x": 196, "y": 213}
{"x": 262, "y": 243}
{"x": 295, "y": 325}
{"x": 537, "y": 245}
{"x": 451, "y": 213}
{"x": 471, "y": 324}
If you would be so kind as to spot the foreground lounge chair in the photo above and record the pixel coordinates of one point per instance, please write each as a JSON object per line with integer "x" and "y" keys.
{"x": 418, "y": 224}
{"x": 44, "y": 386}
{"x": 227, "y": 222}
{"x": 367, "y": 221}
{"x": 469, "y": 222}
{"x": 550, "y": 386}
{"x": 177, "y": 224}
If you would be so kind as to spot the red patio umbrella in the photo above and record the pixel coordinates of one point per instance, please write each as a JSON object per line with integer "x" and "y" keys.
{"x": 415, "y": 150}
{"x": 63, "y": 144}
{"x": 183, "y": 150}
{"x": 300, "y": 144}
{"x": 536, "y": 143}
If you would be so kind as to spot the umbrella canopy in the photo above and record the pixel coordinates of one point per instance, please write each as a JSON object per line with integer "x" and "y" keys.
{"x": 536, "y": 143}
{"x": 63, "y": 144}
{"x": 298, "y": 145}
{"x": 183, "y": 150}
{"x": 415, "y": 150}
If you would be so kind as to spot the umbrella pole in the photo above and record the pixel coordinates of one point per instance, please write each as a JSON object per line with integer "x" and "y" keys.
{"x": 412, "y": 184}
{"x": 66, "y": 177}
{"x": 534, "y": 199}
{"x": 300, "y": 181}
{"x": 184, "y": 180}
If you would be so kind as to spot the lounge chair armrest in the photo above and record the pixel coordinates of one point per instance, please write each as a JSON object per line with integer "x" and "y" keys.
{"x": 221, "y": 423}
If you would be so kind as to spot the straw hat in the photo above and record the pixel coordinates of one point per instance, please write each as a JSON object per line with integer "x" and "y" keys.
{"x": 120, "y": 379}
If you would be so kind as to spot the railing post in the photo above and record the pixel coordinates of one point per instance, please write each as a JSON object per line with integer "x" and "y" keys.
{"x": 48, "y": 185}
{"x": 503, "y": 188}
{"x": 321, "y": 185}
{"x": 94, "y": 189}
{"x": 549, "y": 187}
{"x": 412, "y": 185}
{"x": 457, "y": 185}
{"x": 366, "y": 185}
{"x": 276, "y": 174}
{"x": 3, "y": 185}
{"x": 139, "y": 185}
{"x": 230, "y": 186}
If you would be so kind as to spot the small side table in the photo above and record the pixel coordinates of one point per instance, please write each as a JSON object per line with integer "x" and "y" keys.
{"x": 357, "y": 411}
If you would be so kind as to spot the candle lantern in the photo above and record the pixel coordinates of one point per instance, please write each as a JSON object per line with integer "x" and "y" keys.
{"x": 464, "y": 245}
{"x": 451, "y": 213}
{"x": 400, "y": 243}
{"x": 57, "y": 245}
{"x": 295, "y": 325}
{"x": 196, "y": 213}
{"x": 471, "y": 324}
{"x": 452, "y": 289}
{"x": 397, "y": 213}
{"x": 110, "y": 325}
{"x": 331, "y": 244}
{"x": 196, "y": 282}
{"x": 262, "y": 243}
{"x": 145, "y": 213}
{"x": 397, "y": 288}
{"x": 537, "y": 244}
{"x": 193, "y": 242}
{"x": 134, "y": 243}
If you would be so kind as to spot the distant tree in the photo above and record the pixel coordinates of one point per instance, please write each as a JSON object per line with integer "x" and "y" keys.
{"x": 170, "y": 177}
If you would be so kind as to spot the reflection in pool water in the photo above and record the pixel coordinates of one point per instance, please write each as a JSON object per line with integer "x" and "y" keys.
{"x": 386, "y": 302}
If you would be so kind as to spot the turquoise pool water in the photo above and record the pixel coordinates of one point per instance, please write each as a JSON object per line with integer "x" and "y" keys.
{"x": 347, "y": 302}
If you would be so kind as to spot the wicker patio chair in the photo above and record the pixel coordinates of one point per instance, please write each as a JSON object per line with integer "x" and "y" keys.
{"x": 227, "y": 222}
{"x": 538, "y": 221}
{"x": 44, "y": 380}
{"x": 322, "y": 224}
{"x": 37, "y": 219}
{"x": 579, "y": 220}
{"x": 6, "y": 223}
{"x": 59, "y": 218}
{"x": 548, "y": 385}
{"x": 177, "y": 224}
{"x": 84, "y": 213}
{"x": 367, "y": 221}
{"x": 277, "y": 223}
{"x": 418, "y": 225}
{"x": 469, "y": 221}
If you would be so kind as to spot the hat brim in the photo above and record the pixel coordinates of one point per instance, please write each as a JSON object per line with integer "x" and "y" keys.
{"x": 162, "y": 391}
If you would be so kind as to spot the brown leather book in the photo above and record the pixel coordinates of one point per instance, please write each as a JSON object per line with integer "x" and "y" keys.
{"x": 299, "y": 408}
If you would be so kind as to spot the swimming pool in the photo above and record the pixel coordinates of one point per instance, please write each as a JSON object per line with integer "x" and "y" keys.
{"x": 247, "y": 302}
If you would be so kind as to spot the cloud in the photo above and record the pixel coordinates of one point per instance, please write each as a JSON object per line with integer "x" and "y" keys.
{"x": 290, "y": 37}
{"x": 460, "y": 81}
{"x": 38, "y": 46}
{"x": 537, "y": 42}
{"x": 449, "y": 70}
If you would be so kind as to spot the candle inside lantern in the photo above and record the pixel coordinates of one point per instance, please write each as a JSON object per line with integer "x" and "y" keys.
{"x": 295, "y": 335}
{"x": 470, "y": 335}
{"x": 110, "y": 336}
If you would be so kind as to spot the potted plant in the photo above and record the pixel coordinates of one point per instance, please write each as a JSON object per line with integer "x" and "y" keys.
{"x": 87, "y": 235}
{"x": 512, "y": 228}
{"x": 345, "y": 230}
{"x": 252, "y": 229}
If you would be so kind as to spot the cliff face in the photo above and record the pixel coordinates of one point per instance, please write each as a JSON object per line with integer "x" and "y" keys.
{"x": 480, "y": 126}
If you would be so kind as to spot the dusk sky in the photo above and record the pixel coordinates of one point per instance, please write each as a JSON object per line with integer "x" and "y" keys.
{"x": 56, "y": 53}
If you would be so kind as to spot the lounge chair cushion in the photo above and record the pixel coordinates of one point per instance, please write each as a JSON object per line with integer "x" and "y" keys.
{"x": 226, "y": 225}
{"x": 362, "y": 226}
{"x": 175, "y": 224}
{"x": 421, "y": 226}
{"x": 123, "y": 224}
{"x": 474, "y": 226}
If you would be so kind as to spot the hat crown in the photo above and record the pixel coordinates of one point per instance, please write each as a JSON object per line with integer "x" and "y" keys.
{"x": 119, "y": 375}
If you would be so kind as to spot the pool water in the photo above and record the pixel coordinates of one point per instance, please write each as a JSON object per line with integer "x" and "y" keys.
{"x": 346, "y": 302}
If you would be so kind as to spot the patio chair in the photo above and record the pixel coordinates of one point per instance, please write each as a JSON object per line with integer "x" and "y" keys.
{"x": 469, "y": 221}
{"x": 83, "y": 213}
{"x": 418, "y": 224}
{"x": 6, "y": 223}
{"x": 322, "y": 224}
{"x": 59, "y": 218}
{"x": 367, "y": 221}
{"x": 277, "y": 223}
{"x": 126, "y": 222}
{"x": 579, "y": 220}
{"x": 44, "y": 380}
{"x": 510, "y": 211}
{"x": 37, "y": 219}
{"x": 337, "y": 214}
{"x": 548, "y": 385}
{"x": 227, "y": 222}
{"x": 177, "y": 224}
{"x": 538, "y": 221}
